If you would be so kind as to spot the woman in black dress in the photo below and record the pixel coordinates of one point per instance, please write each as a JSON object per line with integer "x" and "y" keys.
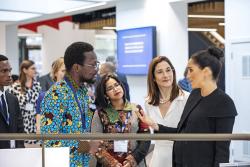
{"x": 208, "y": 110}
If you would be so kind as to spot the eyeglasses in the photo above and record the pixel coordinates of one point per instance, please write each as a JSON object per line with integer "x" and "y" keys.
{"x": 96, "y": 66}
{"x": 115, "y": 86}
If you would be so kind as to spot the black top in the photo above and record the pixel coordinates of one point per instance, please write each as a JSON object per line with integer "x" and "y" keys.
{"x": 214, "y": 113}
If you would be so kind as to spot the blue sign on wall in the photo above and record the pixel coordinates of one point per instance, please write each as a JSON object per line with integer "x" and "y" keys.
{"x": 135, "y": 49}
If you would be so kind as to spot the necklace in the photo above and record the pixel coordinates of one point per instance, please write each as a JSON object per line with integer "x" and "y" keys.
{"x": 163, "y": 101}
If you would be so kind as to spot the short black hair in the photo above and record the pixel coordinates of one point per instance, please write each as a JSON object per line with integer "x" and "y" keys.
{"x": 3, "y": 58}
{"x": 100, "y": 93}
{"x": 211, "y": 58}
{"x": 74, "y": 54}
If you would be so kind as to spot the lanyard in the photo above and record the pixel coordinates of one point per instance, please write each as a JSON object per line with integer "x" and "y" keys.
{"x": 77, "y": 101}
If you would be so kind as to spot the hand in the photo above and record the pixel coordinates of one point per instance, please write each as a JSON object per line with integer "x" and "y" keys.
{"x": 126, "y": 163}
{"x": 145, "y": 119}
{"x": 118, "y": 165}
{"x": 94, "y": 146}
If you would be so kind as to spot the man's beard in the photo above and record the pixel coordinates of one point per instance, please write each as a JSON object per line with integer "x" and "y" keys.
{"x": 89, "y": 81}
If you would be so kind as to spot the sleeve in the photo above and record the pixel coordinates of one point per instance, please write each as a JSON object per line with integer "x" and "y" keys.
{"x": 165, "y": 129}
{"x": 53, "y": 109}
{"x": 96, "y": 125}
{"x": 141, "y": 151}
{"x": 224, "y": 124}
{"x": 19, "y": 121}
{"x": 142, "y": 148}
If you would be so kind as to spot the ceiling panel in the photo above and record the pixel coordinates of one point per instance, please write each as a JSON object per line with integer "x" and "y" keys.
{"x": 17, "y": 10}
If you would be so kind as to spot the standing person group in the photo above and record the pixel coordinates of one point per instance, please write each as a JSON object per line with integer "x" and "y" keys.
{"x": 27, "y": 91}
{"x": 208, "y": 110}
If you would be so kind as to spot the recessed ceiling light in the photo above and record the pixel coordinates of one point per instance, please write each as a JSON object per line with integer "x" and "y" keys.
{"x": 207, "y": 16}
{"x": 202, "y": 29}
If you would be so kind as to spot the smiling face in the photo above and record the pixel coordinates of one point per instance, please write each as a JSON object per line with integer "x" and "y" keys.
{"x": 114, "y": 90}
{"x": 163, "y": 75}
{"x": 195, "y": 74}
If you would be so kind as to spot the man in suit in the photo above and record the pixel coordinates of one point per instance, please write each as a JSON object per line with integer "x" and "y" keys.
{"x": 10, "y": 115}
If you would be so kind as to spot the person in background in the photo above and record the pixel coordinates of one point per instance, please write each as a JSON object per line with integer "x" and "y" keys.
{"x": 27, "y": 91}
{"x": 66, "y": 107}
{"x": 122, "y": 77}
{"x": 15, "y": 78}
{"x": 117, "y": 115}
{"x": 57, "y": 74}
{"x": 46, "y": 80}
{"x": 208, "y": 110}
{"x": 10, "y": 114}
{"x": 164, "y": 104}
{"x": 184, "y": 83}
{"x": 106, "y": 68}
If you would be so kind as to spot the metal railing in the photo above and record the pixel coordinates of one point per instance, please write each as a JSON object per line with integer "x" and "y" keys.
{"x": 128, "y": 136}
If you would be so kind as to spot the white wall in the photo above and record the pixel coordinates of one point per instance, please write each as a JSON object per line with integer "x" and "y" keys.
{"x": 9, "y": 45}
{"x": 170, "y": 20}
{"x": 237, "y": 44}
{"x": 2, "y": 38}
{"x": 56, "y": 41}
{"x": 12, "y": 47}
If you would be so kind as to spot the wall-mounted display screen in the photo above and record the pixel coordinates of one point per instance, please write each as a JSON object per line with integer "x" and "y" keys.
{"x": 135, "y": 49}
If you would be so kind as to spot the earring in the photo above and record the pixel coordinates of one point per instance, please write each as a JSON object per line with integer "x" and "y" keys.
{"x": 107, "y": 99}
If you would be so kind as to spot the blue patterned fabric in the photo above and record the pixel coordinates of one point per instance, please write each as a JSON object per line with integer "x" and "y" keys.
{"x": 60, "y": 114}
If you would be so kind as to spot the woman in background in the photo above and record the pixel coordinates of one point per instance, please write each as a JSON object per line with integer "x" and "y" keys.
{"x": 164, "y": 104}
{"x": 208, "y": 110}
{"x": 27, "y": 91}
{"x": 116, "y": 115}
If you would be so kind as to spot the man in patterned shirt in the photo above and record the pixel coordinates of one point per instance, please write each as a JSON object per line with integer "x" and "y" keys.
{"x": 67, "y": 108}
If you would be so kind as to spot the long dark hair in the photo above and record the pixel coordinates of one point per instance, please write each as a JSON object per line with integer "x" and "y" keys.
{"x": 101, "y": 100}
{"x": 153, "y": 89}
{"x": 209, "y": 58}
{"x": 22, "y": 77}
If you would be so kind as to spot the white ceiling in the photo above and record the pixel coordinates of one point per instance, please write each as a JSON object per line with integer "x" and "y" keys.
{"x": 24, "y": 10}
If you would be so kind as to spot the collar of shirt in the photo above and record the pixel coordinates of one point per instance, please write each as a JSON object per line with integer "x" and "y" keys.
{"x": 2, "y": 92}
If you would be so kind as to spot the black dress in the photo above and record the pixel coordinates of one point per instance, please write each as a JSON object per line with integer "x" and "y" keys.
{"x": 214, "y": 113}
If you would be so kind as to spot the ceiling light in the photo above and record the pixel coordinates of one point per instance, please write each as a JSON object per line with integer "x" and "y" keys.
{"x": 207, "y": 16}
{"x": 202, "y": 29}
{"x": 109, "y": 28}
{"x": 221, "y": 24}
{"x": 85, "y": 7}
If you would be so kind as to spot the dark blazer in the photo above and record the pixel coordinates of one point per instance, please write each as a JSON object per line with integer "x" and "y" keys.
{"x": 214, "y": 113}
{"x": 16, "y": 121}
{"x": 45, "y": 82}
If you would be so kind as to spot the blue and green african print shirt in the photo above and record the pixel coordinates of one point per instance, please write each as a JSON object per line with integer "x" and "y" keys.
{"x": 61, "y": 114}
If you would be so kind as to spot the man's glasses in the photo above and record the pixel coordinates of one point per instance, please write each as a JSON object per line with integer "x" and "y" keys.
{"x": 96, "y": 66}
{"x": 115, "y": 86}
